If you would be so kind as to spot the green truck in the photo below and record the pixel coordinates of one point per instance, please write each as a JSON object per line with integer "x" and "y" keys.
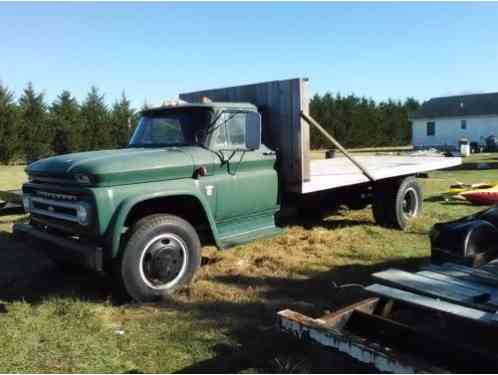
{"x": 203, "y": 172}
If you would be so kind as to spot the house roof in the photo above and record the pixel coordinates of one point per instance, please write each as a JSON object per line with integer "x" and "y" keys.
{"x": 456, "y": 106}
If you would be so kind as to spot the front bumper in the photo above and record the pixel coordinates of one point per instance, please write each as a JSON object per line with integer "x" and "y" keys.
{"x": 71, "y": 251}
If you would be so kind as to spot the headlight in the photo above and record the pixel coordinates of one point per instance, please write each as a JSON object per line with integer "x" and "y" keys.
{"x": 26, "y": 202}
{"x": 83, "y": 214}
{"x": 83, "y": 178}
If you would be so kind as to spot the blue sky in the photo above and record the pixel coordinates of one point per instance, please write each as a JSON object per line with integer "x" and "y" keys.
{"x": 154, "y": 51}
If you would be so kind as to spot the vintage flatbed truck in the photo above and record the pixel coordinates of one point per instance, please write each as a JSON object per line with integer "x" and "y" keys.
{"x": 216, "y": 172}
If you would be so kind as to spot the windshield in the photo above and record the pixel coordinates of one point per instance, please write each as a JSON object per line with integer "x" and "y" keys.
{"x": 178, "y": 127}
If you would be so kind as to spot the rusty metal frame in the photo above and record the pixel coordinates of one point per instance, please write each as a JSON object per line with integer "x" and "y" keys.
{"x": 368, "y": 332}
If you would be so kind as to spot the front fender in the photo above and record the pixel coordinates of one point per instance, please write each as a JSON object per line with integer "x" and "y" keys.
{"x": 117, "y": 223}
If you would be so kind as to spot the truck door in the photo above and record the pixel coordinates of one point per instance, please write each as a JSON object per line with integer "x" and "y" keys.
{"x": 247, "y": 181}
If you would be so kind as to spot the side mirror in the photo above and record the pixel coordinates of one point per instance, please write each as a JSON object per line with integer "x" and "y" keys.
{"x": 253, "y": 131}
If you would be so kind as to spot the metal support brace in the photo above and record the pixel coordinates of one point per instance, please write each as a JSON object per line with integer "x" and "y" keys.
{"x": 312, "y": 122}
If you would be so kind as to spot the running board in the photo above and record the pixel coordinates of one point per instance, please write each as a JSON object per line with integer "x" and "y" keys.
{"x": 242, "y": 230}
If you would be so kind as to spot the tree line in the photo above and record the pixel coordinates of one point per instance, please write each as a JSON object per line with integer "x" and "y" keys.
{"x": 30, "y": 128}
{"x": 360, "y": 122}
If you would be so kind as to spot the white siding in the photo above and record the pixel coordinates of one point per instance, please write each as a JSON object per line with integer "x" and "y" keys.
{"x": 449, "y": 131}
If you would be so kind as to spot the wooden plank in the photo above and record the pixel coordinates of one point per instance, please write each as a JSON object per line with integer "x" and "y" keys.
{"x": 432, "y": 287}
{"x": 433, "y": 304}
{"x": 469, "y": 284}
{"x": 458, "y": 274}
{"x": 339, "y": 317}
{"x": 489, "y": 293}
{"x": 425, "y": 284}
{"x": 485, "y": 276}
{"x": 305, "y": 131}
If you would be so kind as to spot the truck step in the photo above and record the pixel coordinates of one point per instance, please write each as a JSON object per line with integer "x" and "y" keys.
{"x": 250, "y": 235}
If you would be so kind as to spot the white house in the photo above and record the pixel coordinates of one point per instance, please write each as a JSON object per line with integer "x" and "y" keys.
{"x": 442, "y": 122}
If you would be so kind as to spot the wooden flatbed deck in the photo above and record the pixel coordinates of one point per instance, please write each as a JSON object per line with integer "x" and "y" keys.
{"x": 340, "y": 172}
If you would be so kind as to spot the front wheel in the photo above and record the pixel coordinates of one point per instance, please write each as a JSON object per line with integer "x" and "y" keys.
{"x": 162, "y": 255}
{"x": 397, "y": 202}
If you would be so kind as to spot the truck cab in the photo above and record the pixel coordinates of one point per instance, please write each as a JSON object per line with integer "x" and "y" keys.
{"x": 192, "y": 174}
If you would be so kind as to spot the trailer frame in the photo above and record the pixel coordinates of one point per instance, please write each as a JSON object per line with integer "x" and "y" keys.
{"x": 414, "y": 322}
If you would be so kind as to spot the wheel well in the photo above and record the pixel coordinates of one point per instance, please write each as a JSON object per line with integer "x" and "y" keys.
{"x": 187, "y": 207}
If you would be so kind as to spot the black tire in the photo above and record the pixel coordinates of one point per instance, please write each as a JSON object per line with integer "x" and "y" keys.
{"x": 171, "y": 236}
{"x": 396, "y": 202}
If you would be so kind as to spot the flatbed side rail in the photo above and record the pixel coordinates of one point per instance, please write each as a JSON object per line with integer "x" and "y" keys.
{"x": 313, "y": 122}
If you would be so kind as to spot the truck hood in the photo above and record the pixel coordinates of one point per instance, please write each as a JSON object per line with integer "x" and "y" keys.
{"x": 118, "y": 167}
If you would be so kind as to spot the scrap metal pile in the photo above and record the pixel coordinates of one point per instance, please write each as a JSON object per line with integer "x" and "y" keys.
{"x": 442, "y": 318}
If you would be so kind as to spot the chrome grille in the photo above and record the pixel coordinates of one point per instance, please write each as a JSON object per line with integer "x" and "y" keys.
{"x": 57, "y": 209}
{"x": 50, "y": 195}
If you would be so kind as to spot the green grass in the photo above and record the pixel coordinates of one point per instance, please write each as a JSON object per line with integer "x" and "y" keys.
{"x": 74, "y": 326}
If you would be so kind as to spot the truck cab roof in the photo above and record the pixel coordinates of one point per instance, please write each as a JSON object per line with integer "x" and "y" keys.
{"x": 216, "y": 106}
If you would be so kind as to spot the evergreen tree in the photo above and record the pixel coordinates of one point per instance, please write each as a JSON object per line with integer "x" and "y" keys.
{"x": 95, "y": 117}
{"x": 65, "y": 118}
{"x": 122, "y": 122}
{"x": 28, "y": 130}
{"x": 361, "y": 122}
{"x": 9, "y": 141}
{"x": 36, "y": 136}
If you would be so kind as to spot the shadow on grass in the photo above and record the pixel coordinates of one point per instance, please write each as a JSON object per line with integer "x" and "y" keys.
{"x": 451, "y": 202}
{"x": 263, "y": 348}
{"x": 27, "y": 274}
{"x": 435, "y": 198}
{"x": 328, "y": 220}
{"x": 11, "y": 209}
{"x": 476, "y": 166}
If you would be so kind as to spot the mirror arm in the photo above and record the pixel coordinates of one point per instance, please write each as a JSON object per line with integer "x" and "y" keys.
{"x": 238, "y": 165}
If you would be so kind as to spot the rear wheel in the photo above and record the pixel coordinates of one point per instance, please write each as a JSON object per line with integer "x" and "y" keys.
{"x": 162, "y": 255}
{"x": 397, "y": 202}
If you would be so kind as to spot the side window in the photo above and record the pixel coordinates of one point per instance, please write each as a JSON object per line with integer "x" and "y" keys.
{"x": 431, "y": 128}
{"x": 463, "y": 124}
{"x": 236, "y": 129}
{"x": 219, "y": 141}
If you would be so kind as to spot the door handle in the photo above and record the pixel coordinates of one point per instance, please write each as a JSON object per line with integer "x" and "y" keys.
{"x": 269, "y": 153}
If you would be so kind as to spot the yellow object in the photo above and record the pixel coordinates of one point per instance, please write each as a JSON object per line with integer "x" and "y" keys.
{"x": 456, "y": 190}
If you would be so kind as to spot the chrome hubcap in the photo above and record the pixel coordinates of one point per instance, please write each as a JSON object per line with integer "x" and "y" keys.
{"x": 163, "y": 261}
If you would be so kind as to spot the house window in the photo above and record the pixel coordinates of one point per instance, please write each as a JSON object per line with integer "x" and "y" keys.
{"x": 431, "y": 128}
{"x": 463, "y": 124}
